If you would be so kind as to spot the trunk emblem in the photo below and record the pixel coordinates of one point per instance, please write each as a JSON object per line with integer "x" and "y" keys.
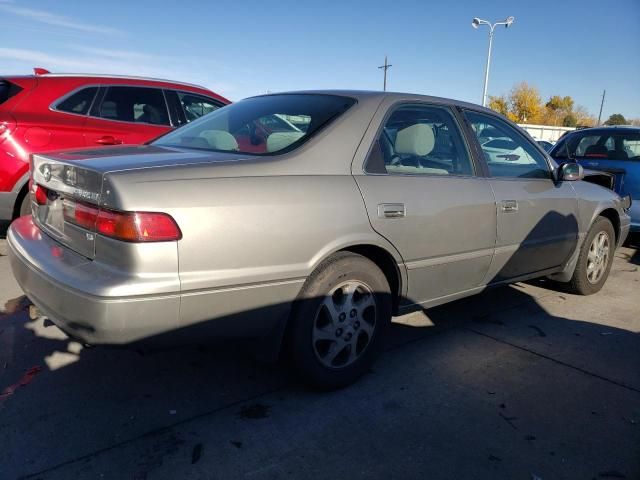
{"x": 46, "y": 173}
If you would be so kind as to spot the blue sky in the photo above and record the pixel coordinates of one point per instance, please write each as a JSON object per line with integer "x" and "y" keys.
{"x": 242, "y": 48}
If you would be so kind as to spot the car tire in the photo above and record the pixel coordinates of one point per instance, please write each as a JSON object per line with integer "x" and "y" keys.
{"x": 595, "y": 259}
{"x": 339, "y": 320}
{"x": 25, "y": 205}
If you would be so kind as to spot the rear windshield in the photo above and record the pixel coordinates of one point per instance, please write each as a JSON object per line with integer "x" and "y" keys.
{"x": 7, "y": 90}
{"x": 260, "y": 125}
{"x": 611, "y": 144}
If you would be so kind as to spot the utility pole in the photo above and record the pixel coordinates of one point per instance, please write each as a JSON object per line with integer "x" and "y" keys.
{"x": 604, "y": 92}
{"x": 385, "y": 67}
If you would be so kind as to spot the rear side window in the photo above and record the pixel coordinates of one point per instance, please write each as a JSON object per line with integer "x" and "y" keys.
{"x": 420, "y": 140}
{"x": 8, "y": 90}
{"x": 134, "y": 104}
{"x": 78, "y": 102}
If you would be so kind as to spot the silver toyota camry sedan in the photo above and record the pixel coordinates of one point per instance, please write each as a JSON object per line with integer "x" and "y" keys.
{"x": 305, "y": 219}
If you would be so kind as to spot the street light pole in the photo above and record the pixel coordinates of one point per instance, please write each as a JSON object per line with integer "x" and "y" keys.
{"x": 475, "y": 23}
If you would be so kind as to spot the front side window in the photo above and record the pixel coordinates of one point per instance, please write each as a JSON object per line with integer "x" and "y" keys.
{"x": 258, "y": 125}
{"x": 78, "y": 102}
{"x": 419, "y": 140}
{"x": 604, "y": 145}
{"x": 134, "y": 104}
{"x": 507, "y": 152}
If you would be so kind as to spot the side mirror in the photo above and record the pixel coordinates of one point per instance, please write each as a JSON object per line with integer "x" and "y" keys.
{"x": 570, "y": 172}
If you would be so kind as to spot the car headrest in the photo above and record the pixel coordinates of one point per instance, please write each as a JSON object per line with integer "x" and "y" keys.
{"x": 220, "y": 140}
{"x": 417, "y": 140}
{"x": 281, "y": 140}
{"x": 109, "y": 110}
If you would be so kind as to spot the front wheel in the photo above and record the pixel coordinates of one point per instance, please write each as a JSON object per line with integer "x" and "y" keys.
{"x": 339, "y": 320}
{"x": 595, "y": 258}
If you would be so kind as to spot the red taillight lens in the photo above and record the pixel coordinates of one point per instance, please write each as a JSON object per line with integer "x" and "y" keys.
{"x": 80, "y": 214}
{"x": 137, "y": 226}
{"x": 127, "y": 226}
{"x": 40, "y": 194}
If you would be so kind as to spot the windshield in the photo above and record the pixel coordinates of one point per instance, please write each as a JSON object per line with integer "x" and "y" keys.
{"x": 612, "y": 145}
{"x": 260, "y": 125}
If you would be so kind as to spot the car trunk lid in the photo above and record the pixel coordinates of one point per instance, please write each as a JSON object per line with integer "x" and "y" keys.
{"x": 59, "y": 189}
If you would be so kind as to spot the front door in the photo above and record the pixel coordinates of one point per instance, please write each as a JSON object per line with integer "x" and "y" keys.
{"x": 537, "y": 217}
{"x": 422, "y": 193}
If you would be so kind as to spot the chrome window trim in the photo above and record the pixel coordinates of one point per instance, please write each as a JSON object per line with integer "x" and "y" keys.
{"x": 53, "y": 105}
{"x": 57, "y": 101}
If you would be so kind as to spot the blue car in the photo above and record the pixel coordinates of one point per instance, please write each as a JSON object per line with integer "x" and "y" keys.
{"x": 615, "y": 150}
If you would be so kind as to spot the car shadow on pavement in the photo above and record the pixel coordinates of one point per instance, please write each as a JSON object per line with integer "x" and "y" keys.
{"x": 485, "y": 365}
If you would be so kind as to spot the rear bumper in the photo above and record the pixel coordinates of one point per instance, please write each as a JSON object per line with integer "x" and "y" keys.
{"x": 7, "y": 204}
{"x": 62, "y": 284}
{"x": 89, "y": 318}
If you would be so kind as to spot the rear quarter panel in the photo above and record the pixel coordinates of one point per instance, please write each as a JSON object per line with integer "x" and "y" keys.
{"x": 249, "y": 243}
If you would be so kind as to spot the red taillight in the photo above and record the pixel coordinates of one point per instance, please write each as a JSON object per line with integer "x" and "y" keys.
{"x": 126, "y": 226}
{"x": 137, "y": 226}
{"x": 40, "y": 194}
{"x": 83, "y": 215}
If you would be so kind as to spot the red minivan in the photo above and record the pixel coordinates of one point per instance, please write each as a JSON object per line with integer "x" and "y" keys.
{"x": 46, "y": 111}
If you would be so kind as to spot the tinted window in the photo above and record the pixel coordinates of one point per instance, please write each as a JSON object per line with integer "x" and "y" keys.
{"x": 607, "y": 144}
{"x": 195, "y": 106}
{"x": 7, "y": 90}
{"x": 134, "y": 104}
{"x": 78, "y": 102}
{"x": 510, "y": 154}
{"x": 240, "y": 127}
{"x": 419, "y": 140}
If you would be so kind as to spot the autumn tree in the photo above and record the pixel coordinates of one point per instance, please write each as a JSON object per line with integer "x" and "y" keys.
{"x": 583, "y": 117}
{"x": 559, "y": 110}
{"x": 499, "y": 104}
{"x": 525, "y": 103}
{"x": 616, "y": 119}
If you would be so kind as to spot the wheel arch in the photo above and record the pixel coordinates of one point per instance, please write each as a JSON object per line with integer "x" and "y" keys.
{"x": 612, "y": 215}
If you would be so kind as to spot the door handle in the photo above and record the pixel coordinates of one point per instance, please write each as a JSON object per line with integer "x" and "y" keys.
{"x": 391, "y": 210}
{"x": 108, "y": 140}
{"x": 509, "y": 206}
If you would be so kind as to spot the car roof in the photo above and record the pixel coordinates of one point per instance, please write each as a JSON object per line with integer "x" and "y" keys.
{"x": 368, "y": 95}
{"x": 607, "y": 129}
{"x": 105, "y": 76}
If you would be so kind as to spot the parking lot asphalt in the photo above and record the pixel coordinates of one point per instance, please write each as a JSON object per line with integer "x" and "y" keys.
{"x": 519, "y": 382}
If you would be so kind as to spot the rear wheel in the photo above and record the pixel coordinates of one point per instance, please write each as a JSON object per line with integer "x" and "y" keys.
{"x": 339, "y": 320}
{"x": 595, "y": 258}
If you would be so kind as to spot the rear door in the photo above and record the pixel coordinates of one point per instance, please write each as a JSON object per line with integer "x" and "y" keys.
{"x": 537, "y": 217}
{"x": 425, "y": 195}
{"x": 126, "y": 115}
